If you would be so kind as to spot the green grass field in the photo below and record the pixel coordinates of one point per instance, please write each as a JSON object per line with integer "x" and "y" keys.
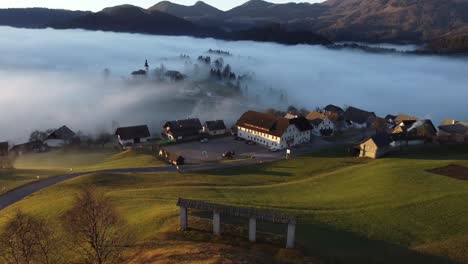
{"x": 350, "y": 210}
{"x": 36, "y": 166}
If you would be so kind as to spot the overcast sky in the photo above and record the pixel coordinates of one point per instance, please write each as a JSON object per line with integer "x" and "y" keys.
{"x": 96, "y": 5}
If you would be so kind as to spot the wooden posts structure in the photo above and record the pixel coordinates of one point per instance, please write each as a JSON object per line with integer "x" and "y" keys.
{"x": 250, "y": 213}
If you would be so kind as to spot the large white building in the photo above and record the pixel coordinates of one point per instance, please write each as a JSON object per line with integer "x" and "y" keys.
{"x": 273, "y": 131}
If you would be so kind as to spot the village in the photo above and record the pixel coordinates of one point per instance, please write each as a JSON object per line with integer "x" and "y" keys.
{"x": 262, "y": 134}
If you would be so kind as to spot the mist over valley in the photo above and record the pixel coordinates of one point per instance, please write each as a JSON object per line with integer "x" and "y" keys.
{"x": 51, "y": 78}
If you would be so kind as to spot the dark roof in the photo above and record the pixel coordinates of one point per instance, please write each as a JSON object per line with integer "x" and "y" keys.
{"x": 215, "y": 125}
{"x": 186, "y": 127}
{"x": 358, "y": 115}
{"x": 381, "y": 140}
{"x": 390, "y": 117}
{"x": 334, "y": 109}
{"x": 139, "y": 72}
{"x": 246, "y": 212}
{"x": 133, "y": 132}
{"x": 301, "y": 123}
{"x": 264, "y": 123}
{"x": 454, "y": 129}
{"x": 28, "y": 145}
{"x": 3, "y": 148}
{"x": 64, "y": 133}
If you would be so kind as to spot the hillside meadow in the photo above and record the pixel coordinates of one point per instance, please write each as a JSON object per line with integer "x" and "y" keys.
{"x": 350, "y": 210}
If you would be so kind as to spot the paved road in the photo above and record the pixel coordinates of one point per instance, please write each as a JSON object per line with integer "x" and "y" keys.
{"x": 24, "y": 191}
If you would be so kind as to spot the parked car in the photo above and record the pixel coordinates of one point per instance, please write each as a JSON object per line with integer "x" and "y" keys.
{"x": 229, "y": 154}
{"x": 238, "y": 139}
{"x": 274, "y": 149}
{"x": 205, "y": 140}
{"x": 250, "y": 142}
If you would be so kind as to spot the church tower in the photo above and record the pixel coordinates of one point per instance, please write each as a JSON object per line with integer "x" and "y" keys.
{"x": 146, "y": 66}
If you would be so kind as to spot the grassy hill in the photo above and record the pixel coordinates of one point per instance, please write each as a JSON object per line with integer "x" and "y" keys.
{"x": 37, "y": 166}
{"x": 350, "y": 210}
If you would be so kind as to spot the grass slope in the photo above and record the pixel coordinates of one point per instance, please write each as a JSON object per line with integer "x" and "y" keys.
{"x": 31, "y": 167}
{"x": 350, "y": 210}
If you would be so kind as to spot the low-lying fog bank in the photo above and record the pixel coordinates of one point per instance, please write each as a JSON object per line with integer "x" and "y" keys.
{"x": 49, "y": 78}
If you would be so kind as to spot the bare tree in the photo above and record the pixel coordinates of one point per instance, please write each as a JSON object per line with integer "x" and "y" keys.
{"x": 29, "y": 239}
{"x": 97, "y": 232}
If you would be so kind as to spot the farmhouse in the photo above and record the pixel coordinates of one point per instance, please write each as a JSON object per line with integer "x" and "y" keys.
{"x": 273, "y": 131}
{"x": 358, "y": 118}
{"x": 453, "y": 131}
{"x": 129, "y": 136}
{"x": 60, "y": 137}
{"x": 414, "y": 132}
{"x": 374, "y": 147}
{"x": 4, "y": 147}
{"x": 183, "y": 130}
{"x": 214, "y": 128}
{"x": 321, "y": 124}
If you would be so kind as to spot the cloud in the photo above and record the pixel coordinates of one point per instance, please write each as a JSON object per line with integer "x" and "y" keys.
{"x": 49, "y": 78}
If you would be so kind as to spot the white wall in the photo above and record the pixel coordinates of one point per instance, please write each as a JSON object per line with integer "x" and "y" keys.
{"x": 292, "y": 136}
{"x": 326, "y": 124}
{"x": 55, "y": 143}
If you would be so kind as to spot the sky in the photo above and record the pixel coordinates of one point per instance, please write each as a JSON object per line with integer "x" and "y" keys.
{"x": 96, "y": 5}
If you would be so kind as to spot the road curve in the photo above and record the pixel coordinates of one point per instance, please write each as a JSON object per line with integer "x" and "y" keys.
{"x": 24, "y": 191}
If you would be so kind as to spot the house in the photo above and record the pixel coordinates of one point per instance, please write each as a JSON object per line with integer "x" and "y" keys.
{"x": 273, "y": 131}
{"x": 214, "y": 128}
{"x": 60, "y": 137}
{"x": 453, "y": 131}
{"x": 322, "y": 125}
{"x": 4, "y": 148}
{"x": 129, "y": 136}
{"x": 374, "y": 147}
{"x": 31, "y": 146}
{"x": 390, "y": 121}
{"x": 183, "y": 130}
{"x": 358, "y": 118}
{"x": 414, "y": 132}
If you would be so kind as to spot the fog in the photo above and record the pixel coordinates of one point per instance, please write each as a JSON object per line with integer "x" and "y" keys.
{"x": 50, "y": 78}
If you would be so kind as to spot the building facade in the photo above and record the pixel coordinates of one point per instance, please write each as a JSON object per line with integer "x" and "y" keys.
{"x": 272, "y": 131}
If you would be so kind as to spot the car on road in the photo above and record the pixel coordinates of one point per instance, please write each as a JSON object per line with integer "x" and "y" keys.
{"x": 274, "y": 150}
{"x": 205, "y": 140}
{"x": 250, "y": 142}
{"x": 239, "y": 139}
{"x": 229, "y": 154}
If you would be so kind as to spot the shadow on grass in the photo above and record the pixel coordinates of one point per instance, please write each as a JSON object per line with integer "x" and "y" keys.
{"x": 433, "y": 152}
{"x": 336, "y": 246}
{"x": 315, "y": 240}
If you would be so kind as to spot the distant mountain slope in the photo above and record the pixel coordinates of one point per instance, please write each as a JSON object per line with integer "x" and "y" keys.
{"x": 128, "y": 18}
{"x": 36, "y": 17}
{"x": 391, "y": 20}
{"x": 199, "y": 9}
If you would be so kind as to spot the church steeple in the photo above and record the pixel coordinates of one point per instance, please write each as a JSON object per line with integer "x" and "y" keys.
{"x": 146, "y": 66}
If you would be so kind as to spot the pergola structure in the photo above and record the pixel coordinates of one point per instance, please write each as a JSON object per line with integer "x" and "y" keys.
{"x": 251, "y": 213}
